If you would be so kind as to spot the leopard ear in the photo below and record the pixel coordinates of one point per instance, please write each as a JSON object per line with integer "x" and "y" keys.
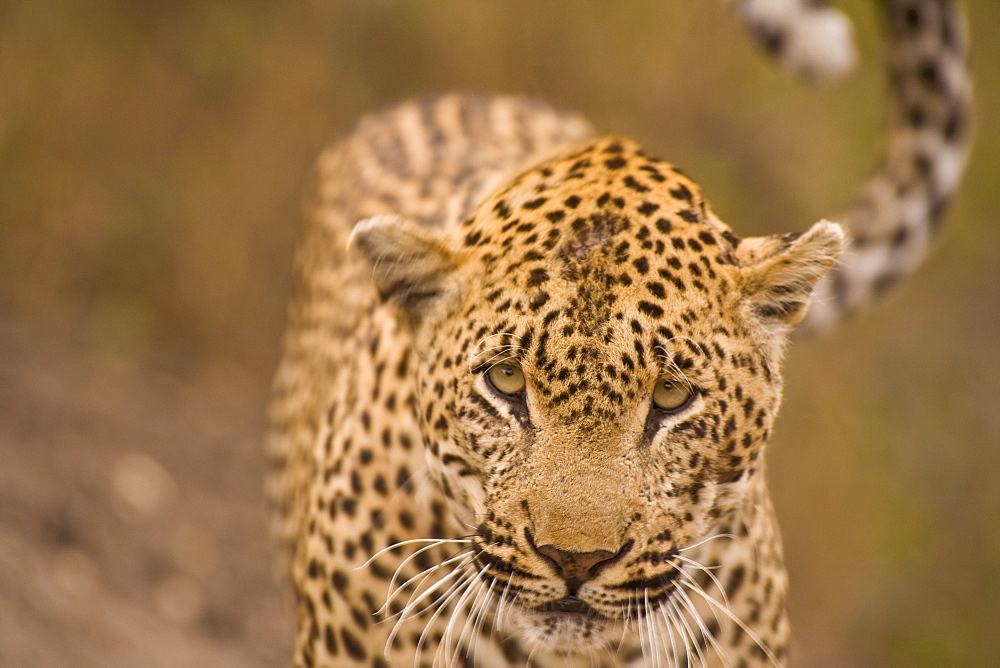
{"x": 780, "y": 271}
{"x": 412, "y": 267}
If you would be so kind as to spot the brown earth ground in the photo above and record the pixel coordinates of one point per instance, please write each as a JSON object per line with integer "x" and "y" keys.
{"x": 152, "y": 159}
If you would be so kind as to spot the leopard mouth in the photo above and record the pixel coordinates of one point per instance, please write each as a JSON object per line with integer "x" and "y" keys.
{"x": 570, "y": 605}
{"x": 567, "y": 625}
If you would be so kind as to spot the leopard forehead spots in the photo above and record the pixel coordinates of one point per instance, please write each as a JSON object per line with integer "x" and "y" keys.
{"x": 609, "y": 220}
{"x": 609, "y": 255}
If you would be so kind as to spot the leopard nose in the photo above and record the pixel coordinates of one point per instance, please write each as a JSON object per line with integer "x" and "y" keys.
{"x": 575, "y": 567}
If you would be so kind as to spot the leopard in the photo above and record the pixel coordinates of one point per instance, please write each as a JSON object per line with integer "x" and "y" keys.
{"x": 529, "y": 375}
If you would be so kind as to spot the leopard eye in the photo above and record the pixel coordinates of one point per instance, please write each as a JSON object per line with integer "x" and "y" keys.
{"x": 669, "y": 395}
{"x": 506, "y": 379}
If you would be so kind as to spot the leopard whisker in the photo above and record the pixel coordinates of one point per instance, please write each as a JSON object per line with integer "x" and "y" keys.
{"x": 669, "y": 623}
{"x": 678, "y": 643}
{"x": 626, "y": 622}
{"x": 666, "y": 357}
{"x": 535, "y": 646}
{"x": 435, "y": 541}
{"x": 639, "y": 613}
{"x": 691, "y": 645}
{"x": 463, "y": 604}
{"x": 410, "y": 610}
{"x": 414, "y": 604}
{"x": 510, "y": 345}
{"x": 505, "y": 355}
{"x": 708, "y": 572}
{"x": 502, "y": 611}
{"x": 475, "y": 609}
{"x": 696, "y": 640}
{"x": 693, "y": 583}
{"x": 480, "y": 618}
{"x": 654, "y": 636}
{"x": 677, "y": 621}
{"x": 650, "y": 634}
{"x": 480, "y": 347}
{"x": 502, "y": 351}
{"x": 452, "y": 591}
{"x": 710, "y": 538}
{"x": 441, "y": 604}
{"x": 642, "y": 626}
{"x": 445, "y": 645}
{"x": 736, "y": 620}
{"x": 684, "y": 633}
{"x": 482, "y": 341}
{"x": 421, "y": 576}
{"x": 710, "y": 637}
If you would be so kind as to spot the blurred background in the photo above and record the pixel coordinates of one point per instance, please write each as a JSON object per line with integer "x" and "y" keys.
{"x": 153, "y": 159}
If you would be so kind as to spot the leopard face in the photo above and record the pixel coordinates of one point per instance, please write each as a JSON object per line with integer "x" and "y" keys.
{"x": 597, "y": 370}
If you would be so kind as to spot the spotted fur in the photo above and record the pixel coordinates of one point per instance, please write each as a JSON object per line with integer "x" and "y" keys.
{"x": 432, "y": 519}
